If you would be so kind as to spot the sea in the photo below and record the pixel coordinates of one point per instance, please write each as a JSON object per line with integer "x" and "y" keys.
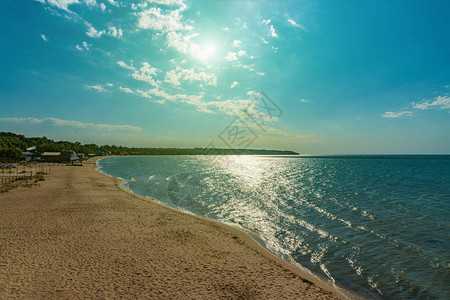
{"x": 375, "y": 225}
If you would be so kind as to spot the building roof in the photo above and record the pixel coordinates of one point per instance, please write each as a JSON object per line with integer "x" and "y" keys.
{"x": 51, "y": 154}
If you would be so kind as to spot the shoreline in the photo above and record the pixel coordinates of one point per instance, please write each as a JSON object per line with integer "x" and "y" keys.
{"x": 323, "y": 282}
{"x": 79, "y": 234}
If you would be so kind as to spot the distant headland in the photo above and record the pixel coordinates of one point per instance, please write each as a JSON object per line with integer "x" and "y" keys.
{"x": 13, "y": 146}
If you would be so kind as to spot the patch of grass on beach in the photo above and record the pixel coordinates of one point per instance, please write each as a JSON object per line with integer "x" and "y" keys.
{"x": 23, "y": 182}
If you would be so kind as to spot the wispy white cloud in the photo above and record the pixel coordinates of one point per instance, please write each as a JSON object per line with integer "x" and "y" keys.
{"x": 237, "y": 43}
{"x": 156, "y": 19}
{"x": 162, "y": 95}
{"x": 109, "y": 84}
{"x": 96, "y": 87}
{"x": 83, "y": 46}
{"x": 102, "y": 6}
{"x": 124, "y": 65}
{"x": 94, "y": 33}
{"x": 112, "y": 31}
{"x": 112, "y": 2}
{"x": 234, "y": 84}
{"x": 115, "y": 32}
{"x": 43, "y": 37}
{"x": 77, "y": 124}
{"x": 304, "y": 100}
{"x": 61, "y": 4}
{"x": 90, "y": 2}
{"x": 174, "y": 76}
{"x": 185, "y": 45}
{"x": 440, "y": 102}
{"x": 168, "y": 2}
{"x": 272, "y": 32}
{"x": 390, "y": 114}
{"x": 233, "y": 56}
{"x": 145, "y": 73}
{"x": 295, "y": 24}
{"x": 126, "y": 90}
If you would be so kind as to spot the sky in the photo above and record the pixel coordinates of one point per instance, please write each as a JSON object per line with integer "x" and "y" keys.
{"x": 315, "y": 77}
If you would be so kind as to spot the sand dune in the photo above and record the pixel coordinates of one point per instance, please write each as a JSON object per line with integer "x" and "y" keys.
{"x": 78, "y": 235}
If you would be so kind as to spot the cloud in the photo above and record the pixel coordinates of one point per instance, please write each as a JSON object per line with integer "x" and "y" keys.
{"x": 94, "y": 33}
{"x": 115, "y": 32}
{"x": 61, "y": 4}
{"x": 167, "y": 2}
{"x": 390, "y": 114}
{"x": 184, "y": 45}
{"x": 234, "y": 84}
{"x": 109, "y": 84}
{"x": 295, "y": 24}
{"x": 112, "y": 31}
{"x": 90, "y": 2}
{"x": 174, "y": 76}
{"x": 272, "y": 32}
{"x": 304, "y": 100}
{"x": 77, "y": 124}
{"x": 44, "y": 37}
{"x": 145, "y": 73}
{"x": 440, "y": 102}
{"x": 233, "y": 56}
{"x": 124, "y": 65}
{"x": 126, "y": 90}
{"x": 112, "y": 2}
{"x": 83, "y": 46}
{"x": 160, "y": 94}
{"x": 97, "y": 87}
{"x": 265, "y": 41}
{"x": 102, "y": 6}
{"x": 236, "y": 43}
{"x": 241, "y": 53}
{"x": 153, "y": 18}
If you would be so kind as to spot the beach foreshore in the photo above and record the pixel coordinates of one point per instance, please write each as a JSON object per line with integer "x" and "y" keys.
{"x": 79, "y": 235}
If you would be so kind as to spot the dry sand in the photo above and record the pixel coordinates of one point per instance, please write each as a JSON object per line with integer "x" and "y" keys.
{"x": 78, "y": 235}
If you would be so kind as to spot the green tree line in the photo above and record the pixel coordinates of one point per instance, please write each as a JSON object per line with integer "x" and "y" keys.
{"x": 12, "y": 145}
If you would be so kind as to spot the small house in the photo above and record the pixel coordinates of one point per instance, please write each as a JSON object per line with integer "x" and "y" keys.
{"x": 63, "y": 156}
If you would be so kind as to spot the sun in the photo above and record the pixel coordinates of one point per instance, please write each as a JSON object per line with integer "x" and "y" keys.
{"x": 210, "y": 50}
{"x": 207, "y": 51}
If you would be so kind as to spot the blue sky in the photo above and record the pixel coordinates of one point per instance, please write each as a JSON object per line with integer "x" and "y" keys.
{"x": 345, "y": 76}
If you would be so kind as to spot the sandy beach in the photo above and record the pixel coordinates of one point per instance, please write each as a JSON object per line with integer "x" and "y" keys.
{"x": 79, "y": 235}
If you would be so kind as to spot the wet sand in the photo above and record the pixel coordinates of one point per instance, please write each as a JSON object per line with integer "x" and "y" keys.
{"x": 79, "y": 235}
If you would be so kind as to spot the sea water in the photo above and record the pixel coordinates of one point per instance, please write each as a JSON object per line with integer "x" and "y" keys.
{"x": 376, "y": 225}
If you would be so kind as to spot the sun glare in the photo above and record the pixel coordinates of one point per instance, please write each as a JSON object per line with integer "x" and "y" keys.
{"x": 208, "y": 51}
